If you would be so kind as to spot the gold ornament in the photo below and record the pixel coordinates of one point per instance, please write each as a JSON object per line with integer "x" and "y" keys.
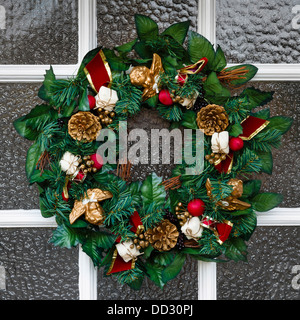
{"x": 212, "y": 118}
{"x": 232, "y": 202}
{"x": 84, "y": 126}
{"x": 148, "y": 78}
{"x": 90, "y": 206}
{"x": 182, "y": 213}
{"x": 105, "y": 116}
{"x": 163, "y": 237}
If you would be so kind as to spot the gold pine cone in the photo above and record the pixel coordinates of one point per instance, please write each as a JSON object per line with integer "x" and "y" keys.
{"x": 164, "y": 236}
{"x": 84, "y": 126}
{"x": 212, "y": 118}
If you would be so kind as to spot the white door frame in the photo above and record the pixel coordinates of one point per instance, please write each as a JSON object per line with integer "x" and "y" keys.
{"x": 87, "y": 40}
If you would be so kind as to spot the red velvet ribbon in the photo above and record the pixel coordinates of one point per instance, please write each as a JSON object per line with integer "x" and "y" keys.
{"x": 194, "y": 68}
{"x": 225, "y": 166}
{"x": 223, "y": 230}
{"x": 98, "y": 72}
{"x": 252, "y": 126}
{"x": 118, "y": 264}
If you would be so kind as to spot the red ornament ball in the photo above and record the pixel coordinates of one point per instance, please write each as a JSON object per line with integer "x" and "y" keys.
{"x": 98, "y": 160}
{"x": 92, "y": 101}
{"x": 236, "y": 144}
{"x": 165, "y": 98}
{"x": 196, "y": 207}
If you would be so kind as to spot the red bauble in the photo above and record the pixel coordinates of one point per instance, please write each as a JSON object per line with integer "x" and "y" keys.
{"x": 196, "y": 207}
{"x": 165, "y": 98}
{"x": 92, "y": 102}
{"x": 98, "y": 161}
{"x": 236, "y": 144}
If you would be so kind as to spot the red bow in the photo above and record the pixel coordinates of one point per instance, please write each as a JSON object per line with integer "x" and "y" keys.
{"x": 98, "y": 72}
{"x": 118, "y": 264}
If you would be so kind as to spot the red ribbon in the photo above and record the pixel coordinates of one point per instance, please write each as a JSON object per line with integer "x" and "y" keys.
{"x": 118, "y": 264}
{"x": 194, "y": 68}
{"x": 223, "y": 230}
{"x": 98, "y": 72}
{"x": 252, "y": 126}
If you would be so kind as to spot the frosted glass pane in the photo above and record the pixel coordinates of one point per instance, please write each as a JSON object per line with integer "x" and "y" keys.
{"x": 34, "y": 269}
{"x": 273, "y": 252}
{"x": 258, "y": 31}
{"x": 116, "y": 18}
{"x": 38, "y": 32}
{"x": 16, "y": 101}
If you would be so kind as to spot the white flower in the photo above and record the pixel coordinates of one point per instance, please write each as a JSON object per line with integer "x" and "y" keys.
{"x": 69, "y": 163}
{"x": 220, "y": 142}
{"x": 192, "y": 228}
{"x": 128, "y": 250}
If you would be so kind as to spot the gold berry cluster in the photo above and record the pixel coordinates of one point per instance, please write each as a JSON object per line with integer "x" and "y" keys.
{"x": 182, "y": 214}
{"x": 86, "y": 165}
{"x": 105, "y": 116}
{"x": 215, "y": 157}
{"x": 141, "y": 241}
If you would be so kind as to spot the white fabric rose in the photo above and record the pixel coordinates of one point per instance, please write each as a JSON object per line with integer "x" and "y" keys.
{"x": 220, "y": 142}
{"x": 106, "y": 99}
{"x": 192, "y": 228}
{"x": 128, "y": 250}
{"x": 69, "y": 163}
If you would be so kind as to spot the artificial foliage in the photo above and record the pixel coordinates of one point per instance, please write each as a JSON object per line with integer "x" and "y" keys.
{"x": 161, "y": 207}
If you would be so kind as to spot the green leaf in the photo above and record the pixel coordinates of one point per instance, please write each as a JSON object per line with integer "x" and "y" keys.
{"x": 214, "y": 91}
{"x": 235, "y": 249}
{"x": 262, "y": 114}
{"x": 251, "y": 72}
{"x": 257, "y": 97}
{"x": 152, "y": 191}
{"x": 266, "y": 159}
{"x": 83, "y": 102}
{"x": 173, "y": 269}
{"x": 30, "y": 125}
{"x": 266, "y": 201}
{"x": 154, "y": 272}
{"x": 235, "y": 130}
{"x": 280, "y": 123}
{"x": 95, "y": 242}
{"x": 146, "y": 28}
{"x": 164, "y": 258}
{"x": 64, "y": 237}
{"x": 45, "y": 92}
{"x": 251, "y": 188}
{"x": 143, "y": 50}
{"x": 219, "y": 62}
{"x": 126, "y": 47}
{"x": 189, "y": 120}
{"x": 199, "y": 47}
{"x": 178, "y": 31}
{"x": 33, "y": 155}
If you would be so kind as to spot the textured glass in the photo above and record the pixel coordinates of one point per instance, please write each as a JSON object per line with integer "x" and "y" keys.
{"x": 116, "y": 18}
{"x": 38, "y": 32}
{"x": 269, "y": 273}
{"x": 184, "y": 287}
{"x": 16, "y": 101}
{"x": 258, "y": 31}
{"x": 34, "y": 268}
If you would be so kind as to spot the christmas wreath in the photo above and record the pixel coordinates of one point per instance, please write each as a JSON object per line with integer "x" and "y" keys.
{"x": 148, "y": 228}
